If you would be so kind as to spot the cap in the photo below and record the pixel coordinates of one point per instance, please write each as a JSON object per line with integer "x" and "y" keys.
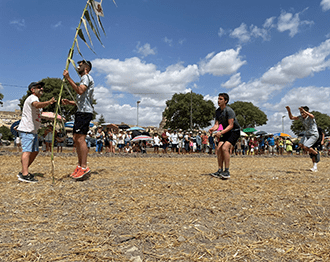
{"x": 86, "y": 62}
{"x": 33, "y": 84}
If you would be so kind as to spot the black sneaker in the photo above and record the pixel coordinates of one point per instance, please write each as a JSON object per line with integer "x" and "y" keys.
{"x": 318, "y": 157}
{"x": 217, "y": 173}
{"x": 29, "y": 178}
{"x": 225, "y": 175}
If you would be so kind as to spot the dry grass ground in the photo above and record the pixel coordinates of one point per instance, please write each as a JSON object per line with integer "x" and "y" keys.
{"x": 160, "y": 208}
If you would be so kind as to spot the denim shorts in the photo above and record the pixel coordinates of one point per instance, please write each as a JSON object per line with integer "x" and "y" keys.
{"x": 29, "y": 142}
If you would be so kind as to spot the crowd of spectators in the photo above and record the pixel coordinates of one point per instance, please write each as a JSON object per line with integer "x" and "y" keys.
{"x": 268, "y": 145}
{"x": 107, "y": 140}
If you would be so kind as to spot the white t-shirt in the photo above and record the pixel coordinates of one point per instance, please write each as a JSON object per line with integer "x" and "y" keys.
{"x": 114, "y": 139}
{"x": 31, "y": 116}
{"x": 174, "y": 138}
{"x": 156, "y": 141}
{"x": 121, "y": 139}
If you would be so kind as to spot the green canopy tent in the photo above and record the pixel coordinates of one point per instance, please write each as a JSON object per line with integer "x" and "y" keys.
{"x": 249, "y": 130}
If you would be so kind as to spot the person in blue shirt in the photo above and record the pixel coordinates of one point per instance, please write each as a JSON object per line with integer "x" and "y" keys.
{"x": 271, "y": 144}
{"x": 262, "y": 145}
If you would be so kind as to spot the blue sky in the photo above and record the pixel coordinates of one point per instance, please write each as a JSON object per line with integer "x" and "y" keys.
{"x": 270, "y": 53}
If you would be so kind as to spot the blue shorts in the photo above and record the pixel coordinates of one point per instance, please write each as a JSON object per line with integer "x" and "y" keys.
{"x": 29, "y": 142}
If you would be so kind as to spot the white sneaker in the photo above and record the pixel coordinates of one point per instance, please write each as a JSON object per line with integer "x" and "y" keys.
{"x": 313, "y": 169}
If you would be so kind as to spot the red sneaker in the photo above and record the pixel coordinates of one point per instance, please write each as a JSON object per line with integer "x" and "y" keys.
{"x": 75, "y": 171}
{"x": 81, "y": 173}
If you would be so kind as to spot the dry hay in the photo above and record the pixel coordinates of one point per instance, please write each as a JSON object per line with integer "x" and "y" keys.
{"x": 161, "y": 208}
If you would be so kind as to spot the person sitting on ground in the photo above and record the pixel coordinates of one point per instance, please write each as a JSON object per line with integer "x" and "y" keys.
{"x": 136, "y": 148}
{"x": 127, "y": 148}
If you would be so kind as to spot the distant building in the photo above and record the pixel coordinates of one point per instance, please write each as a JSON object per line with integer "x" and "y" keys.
{"x": 7, "y": 118}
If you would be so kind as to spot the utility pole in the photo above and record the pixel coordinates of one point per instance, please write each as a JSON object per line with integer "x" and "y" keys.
{"x": 191, "y": 110}
{"x": 137, "y": 112}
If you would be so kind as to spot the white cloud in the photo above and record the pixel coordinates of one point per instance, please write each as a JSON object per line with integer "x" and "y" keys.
{"x": 325, "y": 5}
{"x": 286, "y": 22}
{"x": 316, "y": 98}
{"x": 214, "y": 99}
{"x": 254, "y": 91}
{"x": 291, "y": 23}
{"x": 153, "y": 87}
{"x": 18, "y": 23}
{"x": 241, "y": 33}
{"x": 274, "y": 124}
{"x": 149, "y": 85}
{"x": 150, "y": 110}
{"x": 234, "y": 81}
{"x": 10, "y": 105}
{"x": 223, "y": 63}
{"x": 221, "y": 32}
{"x": 58, "y": 24}
{"x": 181, "y": 41}
{"x": 168, "y": 41}
{"x": 135, "y": 76}
{"x": 299, "y": 65}
{"x": 269, "y": 23}
{"x": 245, "y": 34}
{"x": 145, "y": 50}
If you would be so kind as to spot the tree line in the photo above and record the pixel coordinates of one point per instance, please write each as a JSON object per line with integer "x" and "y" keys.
{"x": 183, "y": 111}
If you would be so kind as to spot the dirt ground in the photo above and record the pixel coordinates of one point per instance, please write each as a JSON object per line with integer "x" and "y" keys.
{"x": 165, "y": 208}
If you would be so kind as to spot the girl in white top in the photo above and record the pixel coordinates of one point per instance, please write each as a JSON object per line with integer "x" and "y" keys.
{"x": 114, "y": 141}
{"x": 156, "y": 143}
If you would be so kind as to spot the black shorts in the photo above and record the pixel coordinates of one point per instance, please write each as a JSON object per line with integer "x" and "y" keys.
{"x": 231, "y": 137}
{"x": 81, "y": 123}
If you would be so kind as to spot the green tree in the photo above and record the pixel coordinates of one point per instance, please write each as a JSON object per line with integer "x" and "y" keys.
{"x": 6, "y": 134}
{"x": 322, "y": 120}
{"x": 1, "y": 97}
{"x": 178, "y": 111}
{"x": 101, "y": 120}
{"x": 248, "y": 115}
{"x": 52, "y": 89}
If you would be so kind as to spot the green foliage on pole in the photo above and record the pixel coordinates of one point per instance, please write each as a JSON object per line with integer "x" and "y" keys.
{"x": 178, "y": 111}
{"x": 88, "y": 15}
